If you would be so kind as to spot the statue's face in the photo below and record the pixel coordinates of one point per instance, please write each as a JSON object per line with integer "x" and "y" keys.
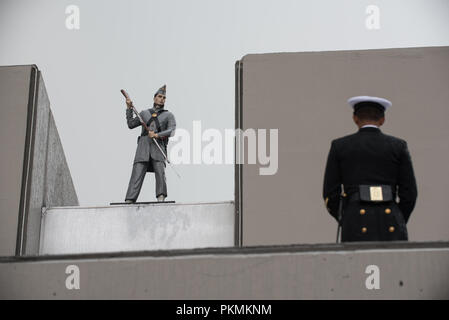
{"x": 159, "y": 99}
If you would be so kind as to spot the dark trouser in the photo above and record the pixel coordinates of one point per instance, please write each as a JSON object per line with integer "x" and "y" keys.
{"x": 138, "y": 174}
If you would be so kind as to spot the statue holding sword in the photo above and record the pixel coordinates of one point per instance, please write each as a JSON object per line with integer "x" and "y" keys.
{"x": 158, "y": 124}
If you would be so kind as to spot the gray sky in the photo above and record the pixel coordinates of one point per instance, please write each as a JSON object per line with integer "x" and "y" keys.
{"x": 192, "y": 46}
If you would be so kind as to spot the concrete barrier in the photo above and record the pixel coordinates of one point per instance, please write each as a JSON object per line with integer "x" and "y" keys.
{"x": 403, "y": 270}
{"x": 33, "y": 169}
{"x": 69, "y": 230}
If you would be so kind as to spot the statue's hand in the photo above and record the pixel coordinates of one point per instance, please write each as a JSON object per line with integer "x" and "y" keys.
{"x": 151, "y": 134}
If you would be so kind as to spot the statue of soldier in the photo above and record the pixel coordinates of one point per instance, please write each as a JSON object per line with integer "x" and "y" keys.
{"x": 366, "y": 173}
{"x": 149, "y": 158}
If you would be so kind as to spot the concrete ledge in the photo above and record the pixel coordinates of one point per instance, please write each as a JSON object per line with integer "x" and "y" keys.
{"x": 406, "y": 270}
{"x": 77, "y": 230}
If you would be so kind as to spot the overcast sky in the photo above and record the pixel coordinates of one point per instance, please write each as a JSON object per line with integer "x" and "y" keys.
{"x": 192, "y": 46}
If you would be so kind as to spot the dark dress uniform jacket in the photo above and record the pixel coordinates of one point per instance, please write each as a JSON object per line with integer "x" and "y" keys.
{"x": 146, "y": 148}
{"x": 370, "y": 157}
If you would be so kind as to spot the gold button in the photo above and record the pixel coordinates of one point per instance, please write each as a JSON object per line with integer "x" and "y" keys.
{"x": 345, "y": 195}
{"x": 362, "y": 212}
{"x": 387, "y": 211}
{"x": 364, "y": 230}
{"x": 391, "y": 229}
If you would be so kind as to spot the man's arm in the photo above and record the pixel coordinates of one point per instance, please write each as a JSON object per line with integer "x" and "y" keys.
{"x": 171, "y": 127}
{"x": 132, "y": 122}
{"x": 407, "y": 184}
{"x": 332, "y": 182}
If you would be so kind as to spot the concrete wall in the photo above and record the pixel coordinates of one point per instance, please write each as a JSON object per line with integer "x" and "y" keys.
{"x": 304, "y": 96}
{"x": 34, "y": 164}
{"x": 50, "y": 183}
{"x": 38, "y": 149}
{"x": 14, "y": 100}
{"x": 137, "y": 227}
{"x": 406, "y": 271}
{"x": 59, "y": 188}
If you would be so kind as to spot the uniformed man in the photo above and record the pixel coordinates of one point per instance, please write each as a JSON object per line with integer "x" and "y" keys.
{"x": 149, "y": 158}
{"x": 366, "y": 173}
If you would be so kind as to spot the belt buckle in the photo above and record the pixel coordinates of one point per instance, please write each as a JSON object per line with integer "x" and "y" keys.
{"x": 376, "y": 193}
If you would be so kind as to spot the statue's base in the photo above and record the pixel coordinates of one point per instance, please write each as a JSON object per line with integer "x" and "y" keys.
{"x": 151, "y": 202}
{"x": 137, "y": 227}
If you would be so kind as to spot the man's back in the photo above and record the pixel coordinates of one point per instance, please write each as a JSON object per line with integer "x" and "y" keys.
{"x": 365, "y": 174}
{"x": 369, "y": 156}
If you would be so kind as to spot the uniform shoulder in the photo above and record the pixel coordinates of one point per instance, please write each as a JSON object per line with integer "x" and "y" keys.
{"x": 166, "y": 111}
{"x": 169, "y": 113}
{"x": 344, "y": 139}
{"x": 394, "y": 139}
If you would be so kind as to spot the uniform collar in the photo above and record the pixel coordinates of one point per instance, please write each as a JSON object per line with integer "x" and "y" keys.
{"x": 154, "y": 109}
{"x": 370, "y": 126}
{"x": 369, "y": 129}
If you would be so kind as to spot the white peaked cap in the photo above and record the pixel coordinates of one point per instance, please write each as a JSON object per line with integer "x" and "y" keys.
{"x": 383, "y": 102}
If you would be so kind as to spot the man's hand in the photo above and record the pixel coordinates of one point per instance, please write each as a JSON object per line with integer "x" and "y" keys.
{"x": 151, "y": 134}
{"x": 129, "y": 103}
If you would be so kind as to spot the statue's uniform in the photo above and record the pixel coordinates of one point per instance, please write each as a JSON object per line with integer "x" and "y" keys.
{"x": 148, "y": 157}
{"x": 370, "y": 165}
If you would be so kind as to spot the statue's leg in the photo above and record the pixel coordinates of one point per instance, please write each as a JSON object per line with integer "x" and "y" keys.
{"x": 135, "y": 183}
{"x": 159, "y": 173}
